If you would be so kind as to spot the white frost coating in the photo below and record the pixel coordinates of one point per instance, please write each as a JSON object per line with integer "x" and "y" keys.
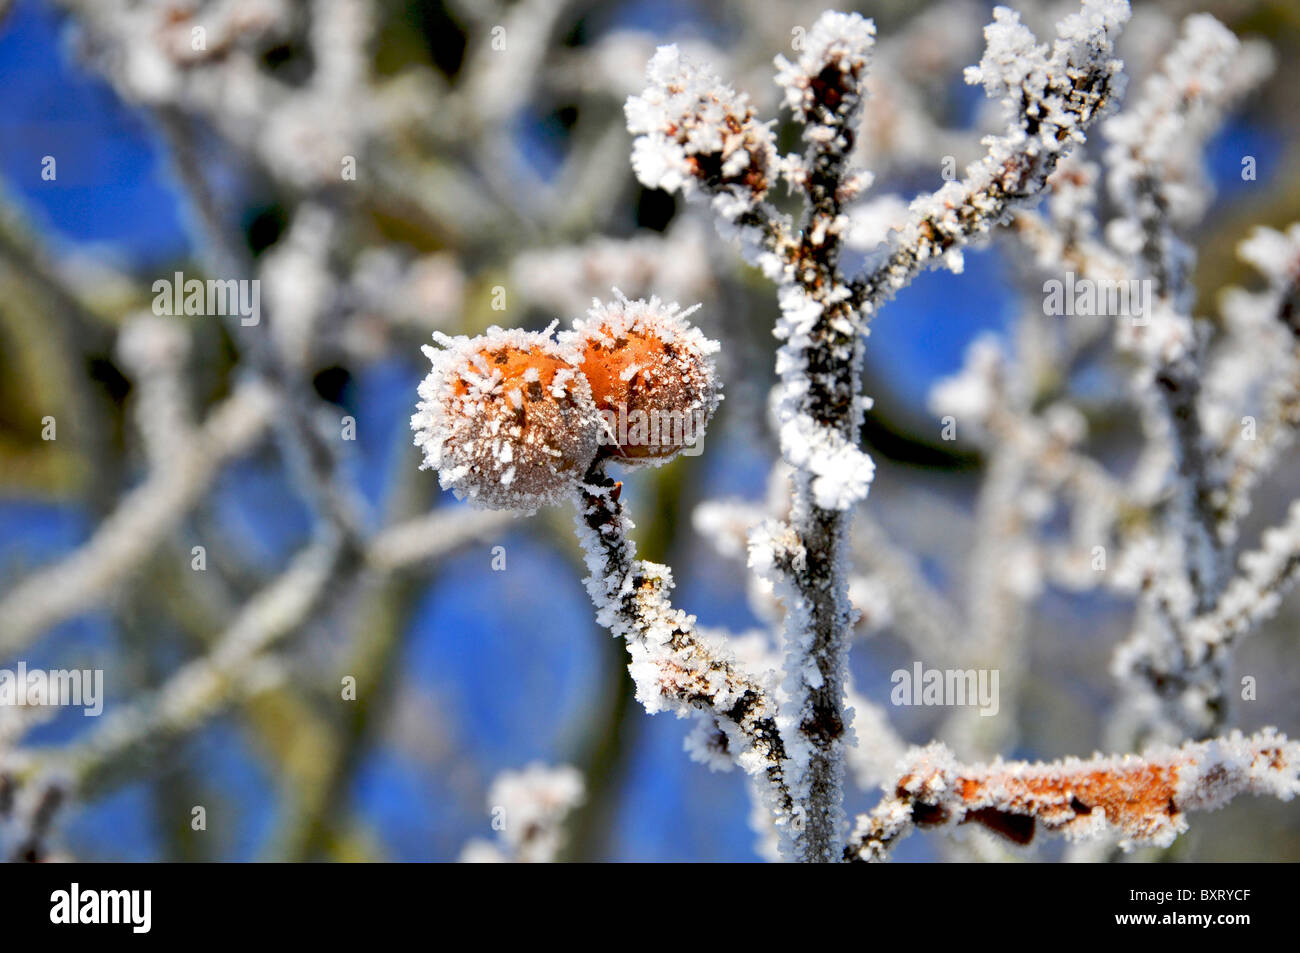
{"x": 652, "y": 374}
{"x": 667, "y": 321}
{"x": 871, "y": 221}
{"x": 710, "y": 742}
{"x": 779, "y": 560}
{"x": 1013, "y": 57}
{"x": 1256, "y": 370}
{"x": 820, "y": 412}
{"x": 1266, "y": 575}
{"x": 1050, "y": 97}
{"x": 530, "y": 807}
{"x": 1275, "y": 254}
{"x": 1013, "y": 61}
{"x": 837, "y": 41}
{"x": 695, "y": 133}
{"x": 1141, "y": 800}
{"x": 1179, "y": 108}
{"x": 1052, "y": 94}
{"x": 727, "y": 524}
{"x": 1157, "y": 179}
{"x": 124, "y": 540}
{"x": 496, "y": 431}
{"x": 1186, "y": 380}
{"x": 841, "y": 472}
{"x": 673, "y": 667}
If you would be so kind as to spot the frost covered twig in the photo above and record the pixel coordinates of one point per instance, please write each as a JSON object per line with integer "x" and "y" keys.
{"x": 129, "y": 534}
{"x": 1188, "y": 675}
{"x": 205, "y": 684}
{"x": 1053, "y": 99}
{"x": 518, "y": 420}
{"x": 1265, "y": 330}
{"x": 1179, "y": 108}
{"x": 240, "y": 663}
{"x": 431, "y": 535}
{"x": 672, "y": 669}
{"x": 1157, "y": 183}
{"x": 1143, "y": 799}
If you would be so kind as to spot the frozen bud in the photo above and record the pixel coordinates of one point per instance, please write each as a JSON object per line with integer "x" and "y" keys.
{"x": 651, "y": 375}
{"x": 694, "y": 132}
{"x": 827, "y": 80}
{"x": 506, "y": 419}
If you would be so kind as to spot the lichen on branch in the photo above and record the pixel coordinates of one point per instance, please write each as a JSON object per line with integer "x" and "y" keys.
{"x": 1139, "y": 800}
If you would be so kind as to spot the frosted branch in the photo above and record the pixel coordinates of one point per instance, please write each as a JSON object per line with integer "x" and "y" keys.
{"x": 240, "y": 664}
{"x": 1265, "y": 330}
{"x": 1053, "y": 99}
{"x": 1156, "y": 181}
{"x": 1142, "y": 800}
{"x": 234, "y": 667}
{"x": 130, "y": 533}
{"x": 673, "y": 669}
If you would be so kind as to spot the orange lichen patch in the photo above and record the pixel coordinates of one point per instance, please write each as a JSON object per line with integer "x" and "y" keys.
{"x": 1138, "y": 798}
{"x": 1142, "y": 799}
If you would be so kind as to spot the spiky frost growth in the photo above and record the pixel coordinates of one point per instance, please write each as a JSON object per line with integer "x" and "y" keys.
{"x": 506, "y": 418}
{"x": 1143, "y": 799}
{"x": 829, "y": 75}
{"x": 651, "y": 375}
{"x": 820, "y": 413}
{"x": 697, "y": 134}
{"x": 1051, "y": 96}
{"x": 675, "y": 669}
{"x": 820, "y": 358}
